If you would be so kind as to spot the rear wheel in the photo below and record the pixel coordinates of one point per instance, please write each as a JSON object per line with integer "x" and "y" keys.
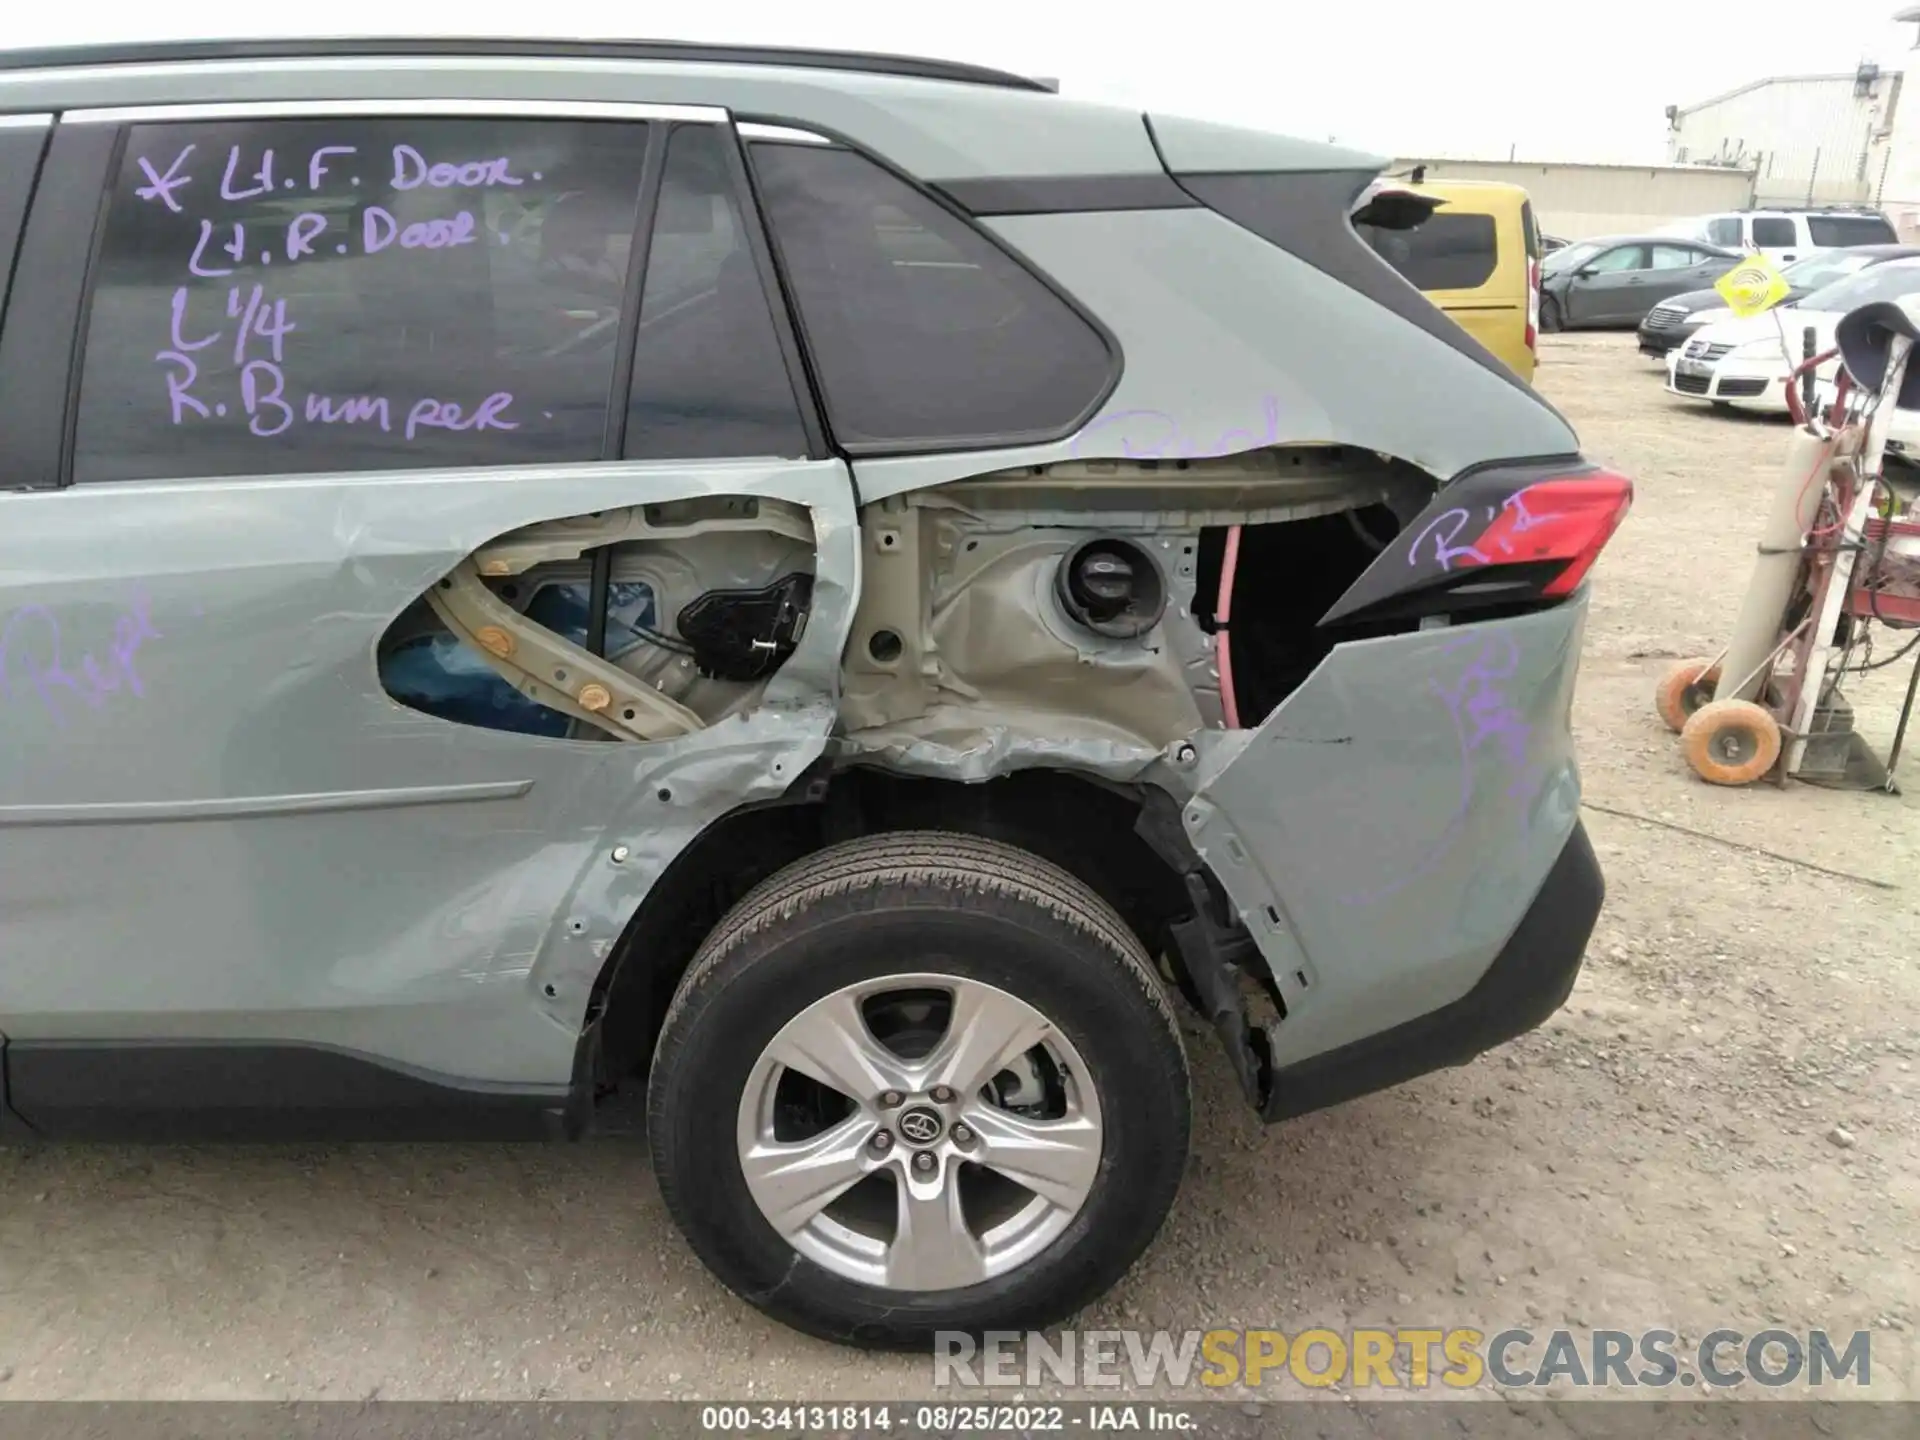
{"x": 1687, "y": 685}
{"x": 1731, "y": 742}
{"x": 1551, "y": 321}
{"x": 916, "y": 1083}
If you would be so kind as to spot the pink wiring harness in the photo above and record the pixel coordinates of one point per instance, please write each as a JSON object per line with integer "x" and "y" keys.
{"x": 1222, "y": 608}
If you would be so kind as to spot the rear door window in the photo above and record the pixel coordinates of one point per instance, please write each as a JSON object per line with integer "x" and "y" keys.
{"x": 1774, "y": 232}
{"x": 1449, "y": 250}
{"x": 292, "y": 296}
{"x": 923, "y": 331}
{"x": 1724, "y": 230}
{"x": 1834, "y": 232}
{"x": 1674, "y": 257}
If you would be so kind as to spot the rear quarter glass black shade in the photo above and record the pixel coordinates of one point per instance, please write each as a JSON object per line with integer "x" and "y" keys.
{"x": 1836, "y": 231}
{"x": 923, "y": 331}
{"x": 1446, "y": 252}
{"x": 1774, "y": 231}
{"x": 292, "y": 296}
{"x": 1307, "y": 213}
{"x": 708, "y": 377}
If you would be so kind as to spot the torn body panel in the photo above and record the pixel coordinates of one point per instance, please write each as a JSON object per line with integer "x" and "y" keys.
{"x": 968, "y": 657}
{"x": 208, "y": 766}
{"x": 1386, "y": 829}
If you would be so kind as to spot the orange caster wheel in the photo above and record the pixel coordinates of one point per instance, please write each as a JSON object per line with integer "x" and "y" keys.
{"x": 1685, "y": 687}
{"x": 1731, "y": 742}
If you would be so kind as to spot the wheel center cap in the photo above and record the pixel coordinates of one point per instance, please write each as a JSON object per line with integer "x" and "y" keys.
{"x": 921, "y": 1125}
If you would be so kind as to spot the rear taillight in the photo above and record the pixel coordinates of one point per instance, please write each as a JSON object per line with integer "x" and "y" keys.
{"x": 1533, "y": 305}
{"x": 1496, "y": 537}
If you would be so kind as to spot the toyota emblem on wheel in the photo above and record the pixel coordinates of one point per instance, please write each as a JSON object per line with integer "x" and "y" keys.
{"x": 920, "y": 1125}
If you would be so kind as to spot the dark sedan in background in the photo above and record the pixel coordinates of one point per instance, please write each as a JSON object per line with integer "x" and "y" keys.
{"x": 1617, "y": 279}
{"x": 1673, "y": 322}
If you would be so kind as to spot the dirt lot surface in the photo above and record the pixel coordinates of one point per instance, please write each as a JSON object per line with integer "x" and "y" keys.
{"x": 1719, "y": 1129}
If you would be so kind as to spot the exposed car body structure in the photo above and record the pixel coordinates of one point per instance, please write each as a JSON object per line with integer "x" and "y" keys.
{"x": 523, "y": 562}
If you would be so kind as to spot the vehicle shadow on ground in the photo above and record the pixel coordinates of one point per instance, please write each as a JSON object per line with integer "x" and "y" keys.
{"x": 563, "y": 1258}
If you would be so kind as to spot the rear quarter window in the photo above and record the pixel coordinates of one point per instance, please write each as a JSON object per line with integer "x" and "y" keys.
{"x": 1838, "y": 231}
{"x": 1448, "y": 251}
{"x": 925, "y": 332}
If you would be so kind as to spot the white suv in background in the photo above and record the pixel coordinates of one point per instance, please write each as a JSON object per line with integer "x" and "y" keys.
{"x": 1784, "y": 236}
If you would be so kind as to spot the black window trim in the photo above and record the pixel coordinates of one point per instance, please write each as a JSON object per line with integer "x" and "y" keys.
{"x": 807, "y": 394}
{"x": 61, "y": 298}
{"x": 810, "y": 132}
{"x": 39, "y": 382}
{"x": 620, "y": 382}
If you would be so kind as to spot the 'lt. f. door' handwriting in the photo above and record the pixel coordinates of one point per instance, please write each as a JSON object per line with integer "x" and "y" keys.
{"x": 257, "y": 328}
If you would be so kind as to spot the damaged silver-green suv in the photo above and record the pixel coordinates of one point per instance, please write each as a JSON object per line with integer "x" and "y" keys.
{"x": 842, "y": 590}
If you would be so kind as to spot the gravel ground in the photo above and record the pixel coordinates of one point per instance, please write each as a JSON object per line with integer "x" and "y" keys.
{"x": 1718, "y": 1130}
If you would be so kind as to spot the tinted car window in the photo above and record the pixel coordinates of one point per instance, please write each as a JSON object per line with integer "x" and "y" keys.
{"x": 708, "y": 377}
{"x": 1445, "y": 251}
{"x": 1880, "y": 282}
{"x": 1774, "y": 230}
{"x": 923, "y": 330}
{"x": 1838, "y": 230}
{"x": 1621, "y": 257}
{"x": 1724, "y": 231}
{"x": 1818, "y": 270}
{"x": 292, "y": 296}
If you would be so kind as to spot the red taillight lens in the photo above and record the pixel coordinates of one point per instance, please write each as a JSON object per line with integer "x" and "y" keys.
{"x": 1566, "y": 520}
{"x": 1498, "y": 537}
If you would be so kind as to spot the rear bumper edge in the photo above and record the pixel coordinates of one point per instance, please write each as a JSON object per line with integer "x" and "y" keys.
{"x": 1528, "y": 980}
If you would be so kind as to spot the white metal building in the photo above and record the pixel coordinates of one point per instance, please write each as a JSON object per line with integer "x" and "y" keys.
{"x": 1576, "y": 201}
{"x": 1807, "y": 139}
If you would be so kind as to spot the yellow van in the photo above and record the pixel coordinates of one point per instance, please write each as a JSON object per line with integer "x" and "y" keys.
{"x": 1477, "y": 257}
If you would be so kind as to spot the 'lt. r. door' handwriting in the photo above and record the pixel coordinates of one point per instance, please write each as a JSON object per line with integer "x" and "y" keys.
{"x": 35, "y": 661}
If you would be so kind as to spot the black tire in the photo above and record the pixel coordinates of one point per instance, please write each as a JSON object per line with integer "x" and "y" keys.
{"x": 882, "y": 905}
{"x": 1551, "y": 322}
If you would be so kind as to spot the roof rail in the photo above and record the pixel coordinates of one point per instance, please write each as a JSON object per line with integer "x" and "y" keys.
{"x": 685, "y": 52}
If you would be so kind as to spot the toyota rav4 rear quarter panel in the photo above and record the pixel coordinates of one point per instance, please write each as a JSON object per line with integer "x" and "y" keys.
{"x": 1240, "y": 335}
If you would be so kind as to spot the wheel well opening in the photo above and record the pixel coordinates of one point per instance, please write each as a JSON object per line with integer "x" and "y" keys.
{"x": 1084, "y": 826}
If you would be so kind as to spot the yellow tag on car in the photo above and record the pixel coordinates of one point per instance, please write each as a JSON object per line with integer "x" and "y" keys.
{"x": 1752, "y": 286}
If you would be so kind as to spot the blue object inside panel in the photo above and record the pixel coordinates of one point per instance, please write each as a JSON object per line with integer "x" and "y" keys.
{"x": 446, "y": 677}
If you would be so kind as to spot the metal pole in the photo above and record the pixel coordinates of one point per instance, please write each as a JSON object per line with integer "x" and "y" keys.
{"x": 1900, "y": 734}
{"x": 1880, "y": 190}
{"x": 1813, "y": 174}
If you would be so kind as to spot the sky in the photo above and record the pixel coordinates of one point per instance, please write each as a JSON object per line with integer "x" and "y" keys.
{"x": 1542, "y": 80}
